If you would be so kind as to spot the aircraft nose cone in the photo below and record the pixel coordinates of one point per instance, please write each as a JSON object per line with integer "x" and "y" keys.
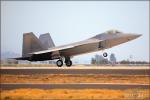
{"x": 133, "y": 36}
{"x": 137, "y": 35}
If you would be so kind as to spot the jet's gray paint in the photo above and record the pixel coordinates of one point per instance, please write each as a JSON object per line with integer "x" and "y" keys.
{"x": 44, "y": 49}
{"x": 46, "y": 41}
{"x": 30, "y": 44}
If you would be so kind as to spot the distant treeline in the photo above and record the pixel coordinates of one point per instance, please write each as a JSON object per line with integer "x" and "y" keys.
{"x": 133, "y": 62}
{"x": 100, "y": 60}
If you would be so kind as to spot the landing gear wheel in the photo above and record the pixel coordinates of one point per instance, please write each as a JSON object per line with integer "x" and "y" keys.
{"x": 105, "y": 54}
{"x": 68, "y": 63}
{"x": 59, "y": 63}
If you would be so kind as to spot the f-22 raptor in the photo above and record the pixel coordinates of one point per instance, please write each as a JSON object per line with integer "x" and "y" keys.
{"x": 43, "y": 48}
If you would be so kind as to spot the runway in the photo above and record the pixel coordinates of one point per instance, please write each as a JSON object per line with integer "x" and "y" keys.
{"x": 75, "y": 70}
{"x": 74, "y": 86}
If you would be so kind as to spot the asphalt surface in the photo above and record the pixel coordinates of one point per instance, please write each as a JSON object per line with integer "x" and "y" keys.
{"x": 74, "y": 86}
{"x": 76, "y": 71}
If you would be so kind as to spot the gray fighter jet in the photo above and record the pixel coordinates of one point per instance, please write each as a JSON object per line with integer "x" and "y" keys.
{"x": 41, "y": 49}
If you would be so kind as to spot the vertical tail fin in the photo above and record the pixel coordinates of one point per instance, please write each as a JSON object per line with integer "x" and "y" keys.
{"x": 30, "y": 44}
{"x": 46, "y": 41}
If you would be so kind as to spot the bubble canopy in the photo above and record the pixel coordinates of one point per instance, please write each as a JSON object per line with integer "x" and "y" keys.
{"x": 113, "y": 32}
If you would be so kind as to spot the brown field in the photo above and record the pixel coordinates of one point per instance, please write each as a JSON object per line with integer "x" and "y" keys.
{"x": 72, "y": 94}
{"x": 75, "y": 94}
{"x": 70, "y": 78}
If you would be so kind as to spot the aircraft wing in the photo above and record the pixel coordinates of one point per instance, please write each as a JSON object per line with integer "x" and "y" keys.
{"x": 52, "y": 50}
{"x": 65, "y": 48}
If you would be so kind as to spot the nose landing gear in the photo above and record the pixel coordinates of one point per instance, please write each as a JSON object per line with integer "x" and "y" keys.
{"x": 105, "y": 54}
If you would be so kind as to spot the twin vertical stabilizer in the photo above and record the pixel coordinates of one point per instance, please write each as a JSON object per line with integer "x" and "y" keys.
{"x": 32, "y": 44}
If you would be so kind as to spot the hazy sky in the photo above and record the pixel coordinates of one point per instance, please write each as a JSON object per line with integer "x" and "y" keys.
{"x": 72, "y": 21}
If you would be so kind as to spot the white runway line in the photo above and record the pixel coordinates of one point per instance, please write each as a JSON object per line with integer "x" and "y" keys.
{"x": 82, "y": 67}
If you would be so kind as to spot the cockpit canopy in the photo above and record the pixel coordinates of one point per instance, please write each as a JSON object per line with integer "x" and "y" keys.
{"x": 113, "y": 32}
{"x": 107, "y": 34}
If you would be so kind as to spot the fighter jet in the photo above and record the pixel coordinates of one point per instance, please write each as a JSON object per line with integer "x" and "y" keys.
{"x": 43, "y": 48}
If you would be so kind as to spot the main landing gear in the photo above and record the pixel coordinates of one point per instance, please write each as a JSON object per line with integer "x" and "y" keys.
{"x": 68, "y": 62}
{"x": 59, "y": 63}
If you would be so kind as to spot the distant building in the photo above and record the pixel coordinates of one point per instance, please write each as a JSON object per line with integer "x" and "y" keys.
{"x": 113, "y": 59}
{"x": 9, "y": 61}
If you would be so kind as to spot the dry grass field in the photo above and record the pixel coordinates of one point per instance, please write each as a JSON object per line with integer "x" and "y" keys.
{"x": 75, "y": 78}
{"x": 71, "y": 94}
